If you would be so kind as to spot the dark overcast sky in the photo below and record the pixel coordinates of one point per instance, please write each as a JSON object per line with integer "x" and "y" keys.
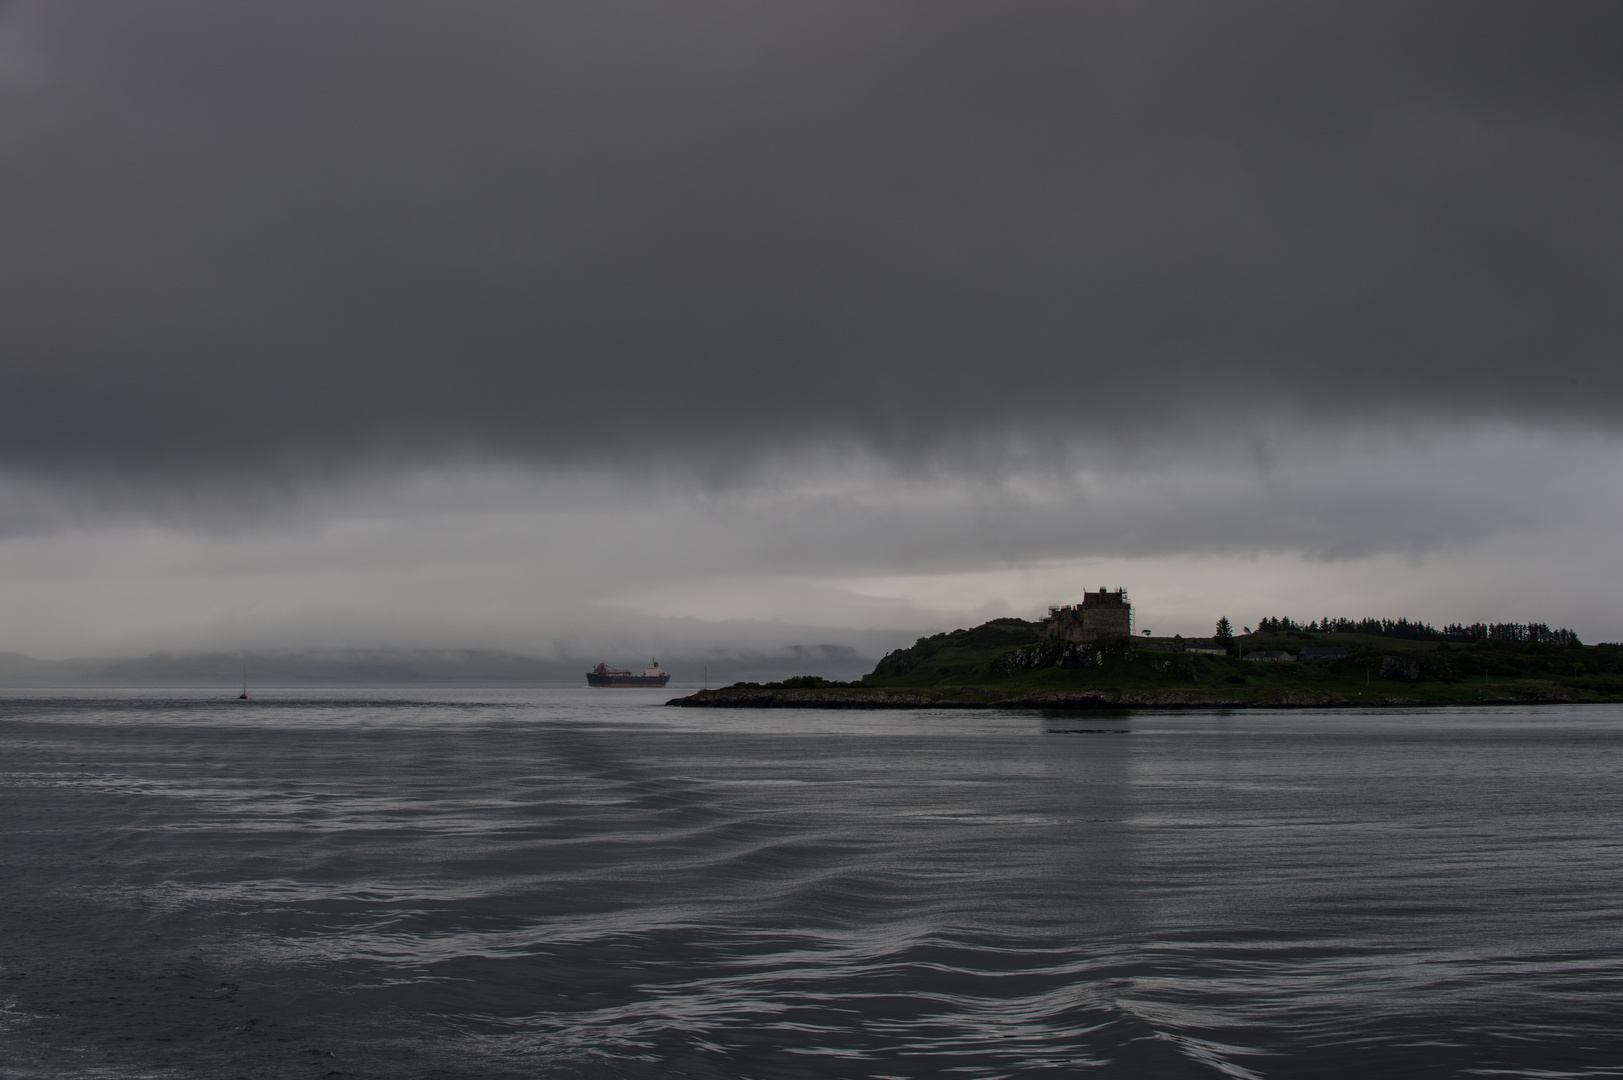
{"x": 519, "y": 323}
{"x": 259, "y": 236}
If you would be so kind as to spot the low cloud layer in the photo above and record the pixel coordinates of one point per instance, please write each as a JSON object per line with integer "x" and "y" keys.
{"x": 856, "y": 554}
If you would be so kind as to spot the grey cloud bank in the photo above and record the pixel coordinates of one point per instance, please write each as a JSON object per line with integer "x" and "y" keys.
{"x": 275, "y": 238}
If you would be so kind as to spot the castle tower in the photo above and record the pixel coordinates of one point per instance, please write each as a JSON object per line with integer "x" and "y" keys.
{"x": 1102, "y": 613}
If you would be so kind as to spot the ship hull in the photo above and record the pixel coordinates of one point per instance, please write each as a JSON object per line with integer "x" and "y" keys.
{"x": 594, "y": 679}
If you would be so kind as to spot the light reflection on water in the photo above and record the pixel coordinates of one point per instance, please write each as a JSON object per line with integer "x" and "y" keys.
{"x": 568, "y": 883}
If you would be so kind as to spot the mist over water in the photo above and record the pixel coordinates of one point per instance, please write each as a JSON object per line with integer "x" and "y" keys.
{"x": 568, "y": 883}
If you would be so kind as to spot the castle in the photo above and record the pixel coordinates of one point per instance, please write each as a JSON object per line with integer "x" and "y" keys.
{"x": 1106, "y": 613}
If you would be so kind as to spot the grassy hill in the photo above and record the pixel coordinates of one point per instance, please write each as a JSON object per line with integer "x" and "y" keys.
{"x": 959, "y": 658}
{"x": 1009, "y": 662}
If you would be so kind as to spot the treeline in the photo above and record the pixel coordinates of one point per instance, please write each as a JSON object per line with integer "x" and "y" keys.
{"x": 1474, "y": 633}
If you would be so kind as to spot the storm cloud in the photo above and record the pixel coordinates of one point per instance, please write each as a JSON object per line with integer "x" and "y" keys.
{"x": 279, "y": 237}
{"x": 547, "y": 326}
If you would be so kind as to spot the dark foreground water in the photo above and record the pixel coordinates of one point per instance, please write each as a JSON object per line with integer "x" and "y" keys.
{"x": 571, "y": 883}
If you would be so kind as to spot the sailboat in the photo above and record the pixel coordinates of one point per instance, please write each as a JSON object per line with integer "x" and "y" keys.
{"x": 244, "y": 695}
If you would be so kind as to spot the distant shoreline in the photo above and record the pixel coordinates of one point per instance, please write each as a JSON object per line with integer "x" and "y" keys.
{"x": 1014, "y": 664}
{"x": 745, "y": 697}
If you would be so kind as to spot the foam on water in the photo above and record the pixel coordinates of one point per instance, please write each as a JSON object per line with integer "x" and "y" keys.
{"x": 565, "y": 883}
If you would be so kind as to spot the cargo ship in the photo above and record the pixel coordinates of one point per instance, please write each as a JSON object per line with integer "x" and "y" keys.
{"x": 603, "y": 675}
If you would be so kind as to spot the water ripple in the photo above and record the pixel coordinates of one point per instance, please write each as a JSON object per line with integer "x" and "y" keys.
{"x": 504, "y": 884}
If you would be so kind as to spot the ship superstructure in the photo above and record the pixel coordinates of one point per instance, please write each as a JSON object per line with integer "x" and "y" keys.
{"x": 652, "y": 675}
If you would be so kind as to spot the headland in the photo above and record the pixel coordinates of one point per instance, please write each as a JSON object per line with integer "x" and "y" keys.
{"x": 1050, "y": 665}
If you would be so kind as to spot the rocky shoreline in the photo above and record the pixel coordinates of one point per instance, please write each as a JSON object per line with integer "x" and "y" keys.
{"x": 735, "y": 697}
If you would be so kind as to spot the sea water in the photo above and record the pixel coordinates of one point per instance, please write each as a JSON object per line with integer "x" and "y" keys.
{"x": 590, "y": 883}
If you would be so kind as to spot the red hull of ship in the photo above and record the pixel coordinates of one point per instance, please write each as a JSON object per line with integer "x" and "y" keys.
{"x": 594, "y": 679}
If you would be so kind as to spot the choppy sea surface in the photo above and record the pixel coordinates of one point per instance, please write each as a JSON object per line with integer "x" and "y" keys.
{"x": 581, "y": 883}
